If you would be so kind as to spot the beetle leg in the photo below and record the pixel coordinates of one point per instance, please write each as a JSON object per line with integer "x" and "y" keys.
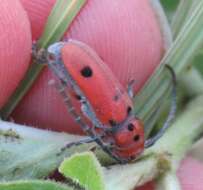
{"x": 87, "y": 129}
{"x": 149, "y": 142}
{"x": 91, "y": 116}
{"x": 39, "y": 55}
{"x": 109, "y": 151}
{"x": 130, "y": 88}
{"x": 77, "y": 143}
{"x": 61, "y": 88}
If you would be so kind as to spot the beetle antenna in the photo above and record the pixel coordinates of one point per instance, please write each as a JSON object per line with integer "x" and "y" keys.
{"x": 149, "y": 142}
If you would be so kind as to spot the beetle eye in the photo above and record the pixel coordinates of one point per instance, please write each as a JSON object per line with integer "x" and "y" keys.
{"x": 136, "y": 138}
{"x": 130, "y": 127}
{"x": 86, "y": 72}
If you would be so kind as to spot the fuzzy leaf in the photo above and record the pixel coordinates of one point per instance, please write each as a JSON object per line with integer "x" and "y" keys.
{"x": 34, "y": 185}
{"x": 26, "y": 152}
{"x": 84, "y": 169}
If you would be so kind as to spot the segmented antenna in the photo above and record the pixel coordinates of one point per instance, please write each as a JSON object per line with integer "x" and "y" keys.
{"x": 149, "y": 142}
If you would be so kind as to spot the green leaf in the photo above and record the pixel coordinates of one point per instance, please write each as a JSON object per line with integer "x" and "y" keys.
{"x": 34, "y": 185}
{"x": 84, "y": 169}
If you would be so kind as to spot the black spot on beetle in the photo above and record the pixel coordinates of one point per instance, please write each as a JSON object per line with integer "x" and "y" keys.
{"x": 130, "y": 127}
{"x": 116, "y": 97}
{"x": 136, "y": 138}
{"x": 86, "y": 72}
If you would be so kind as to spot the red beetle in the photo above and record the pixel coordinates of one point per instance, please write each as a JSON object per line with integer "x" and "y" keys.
{"x": 103, "y": 100}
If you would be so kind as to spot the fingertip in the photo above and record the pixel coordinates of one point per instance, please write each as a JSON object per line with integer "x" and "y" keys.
{"x": 15, "y": 47}
{"x": 38, "y": 12}
{"x": 190, "y": 174}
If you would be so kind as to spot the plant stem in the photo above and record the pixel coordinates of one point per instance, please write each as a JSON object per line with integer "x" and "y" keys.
{"x": 62, "y": 15}
{"x": 29, "y": 78}
{"x": 131, "y": 175}
{"x": 178, "y": 140}
{"x": 168, "y": 181}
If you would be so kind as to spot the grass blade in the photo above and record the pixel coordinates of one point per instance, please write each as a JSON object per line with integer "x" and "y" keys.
{"x": 59, "y": 20}
{"x": 179, "y": 57}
